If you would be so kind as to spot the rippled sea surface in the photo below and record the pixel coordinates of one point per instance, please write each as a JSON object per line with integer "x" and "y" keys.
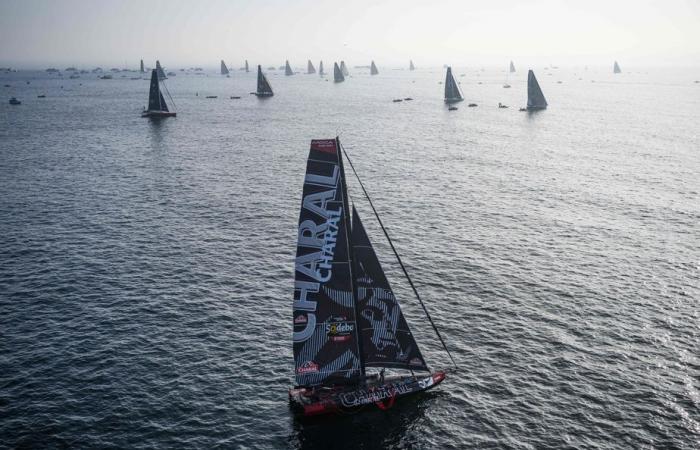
{"x": 146, "y": 268}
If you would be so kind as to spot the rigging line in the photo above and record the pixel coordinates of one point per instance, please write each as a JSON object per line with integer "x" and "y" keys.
{"x": 398, "y": 258}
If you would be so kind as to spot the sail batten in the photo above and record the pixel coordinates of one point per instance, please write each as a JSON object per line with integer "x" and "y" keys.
{"x": 535, "y": 97}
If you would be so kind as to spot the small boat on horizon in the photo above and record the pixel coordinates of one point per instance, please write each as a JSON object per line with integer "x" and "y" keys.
{"x": 288, "y": 69}
{"x": 338, "y": 76}
{"x": 535, "y": 97}
{"x": 224, "y": 69}
{"x": 411, "y": 66}
{"x": 452, "y": 92}
{"x": 344, "y": 69}
{"x": 310, "y": 69}
{"x": 264, "y": 88}
{"x": 373, "y": 69}
{"x": 14, "y": 101}
{"x": 321, "y": 72}
{"x": 157, "y": 107}
{"x": 616, "y": 68}
{"x": 346, "y": 318}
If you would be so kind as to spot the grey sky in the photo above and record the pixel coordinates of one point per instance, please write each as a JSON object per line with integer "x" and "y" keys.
{"x": 39, "y": 33}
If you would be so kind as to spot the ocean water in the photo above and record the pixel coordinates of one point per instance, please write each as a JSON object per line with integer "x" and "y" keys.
{"x": 146, "y": 268}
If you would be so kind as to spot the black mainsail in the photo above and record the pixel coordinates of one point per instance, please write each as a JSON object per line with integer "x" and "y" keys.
{"x": 320, "y": 69}
{"x": 616, "y": 68}
{"x": 411, "y": 66}
{"x": 224, "y": 69}
{"x": 326, "y": 344}
{"x": 373, "y": 69}
{"x": 264, "y": 88}
{"x": 161, "y": 72}
{"x": 512, "y": 67}
{"x": 287, "y": 68}
{"x": 157, "y": 107}
{"x": 337, "y": 74}
{"x": 310, "y": 68}
{"x": 344, "y": 69}
{"x": 452, "y": 92}
{"x": 385, "y": 336}
{"x": 535, "y": 97}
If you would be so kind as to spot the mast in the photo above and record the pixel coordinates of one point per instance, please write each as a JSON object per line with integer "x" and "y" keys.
{"x": 373, "y": 69}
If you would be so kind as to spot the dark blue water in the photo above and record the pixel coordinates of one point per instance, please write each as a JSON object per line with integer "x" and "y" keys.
{"x": 146, "y": 268}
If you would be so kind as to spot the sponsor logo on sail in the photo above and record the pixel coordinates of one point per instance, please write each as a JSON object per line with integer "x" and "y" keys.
{"x": 301, "y": 318}
{"x": 323, "y": 145}
{"x": 339, "y": 330}
{"x": 307, "y": 367}
{"x": 416, "y": 362}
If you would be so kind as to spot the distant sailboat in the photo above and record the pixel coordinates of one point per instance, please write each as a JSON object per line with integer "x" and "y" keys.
{"x": 512, "y": 67}
{"x": 161, "y": 73}
{"x": 157, "y": 107}
{"x": 224, "y": 69}
{"x": 264, "y": 88}
{"x": 411, "y": 66}
{"x": 287, "y": 68}
{"x": 246, "y": 66}
{"x": 320, "y": 69}
{"x": 373, "y": 69}
{"x": 616, "y": 68}
{"x": 337, "y": 74}
{"x": 310, "y": 68}
{"x": 535, "y": 97}
{"x": 452, "y": 91}
{"x": 143, "y": 70}
{"x": 344, "y": 69}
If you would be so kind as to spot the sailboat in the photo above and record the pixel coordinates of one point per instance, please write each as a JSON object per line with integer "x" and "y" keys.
{"x": 161, "y": 73}
{"x": 510, "y": 70}
{"x": 264, "y": 88}
{"x": 616, "y": 68}
{"x": 535, "y": 97}
{"x": 345, "y": 316}
{"x": 344, "y": 69}
{"x": 337, "y": 74}
{"x": 320, "y": 69}
{"x": 143, "y": 70}
{"x": 246, "y": 66}
{"x": 411, "y": 66}
{"x": 157, "y": 107}
{"x": 310, "y": 68}
{"x": 287, "y": 68}
{"x": 373, "y": 69}
{"x": 452, "y": 92}
{"x": 224, "y": 69}
{"x": 512, "y": 67}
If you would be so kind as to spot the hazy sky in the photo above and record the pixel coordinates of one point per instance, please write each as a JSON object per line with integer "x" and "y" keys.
{"x": 40, "y": 33}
